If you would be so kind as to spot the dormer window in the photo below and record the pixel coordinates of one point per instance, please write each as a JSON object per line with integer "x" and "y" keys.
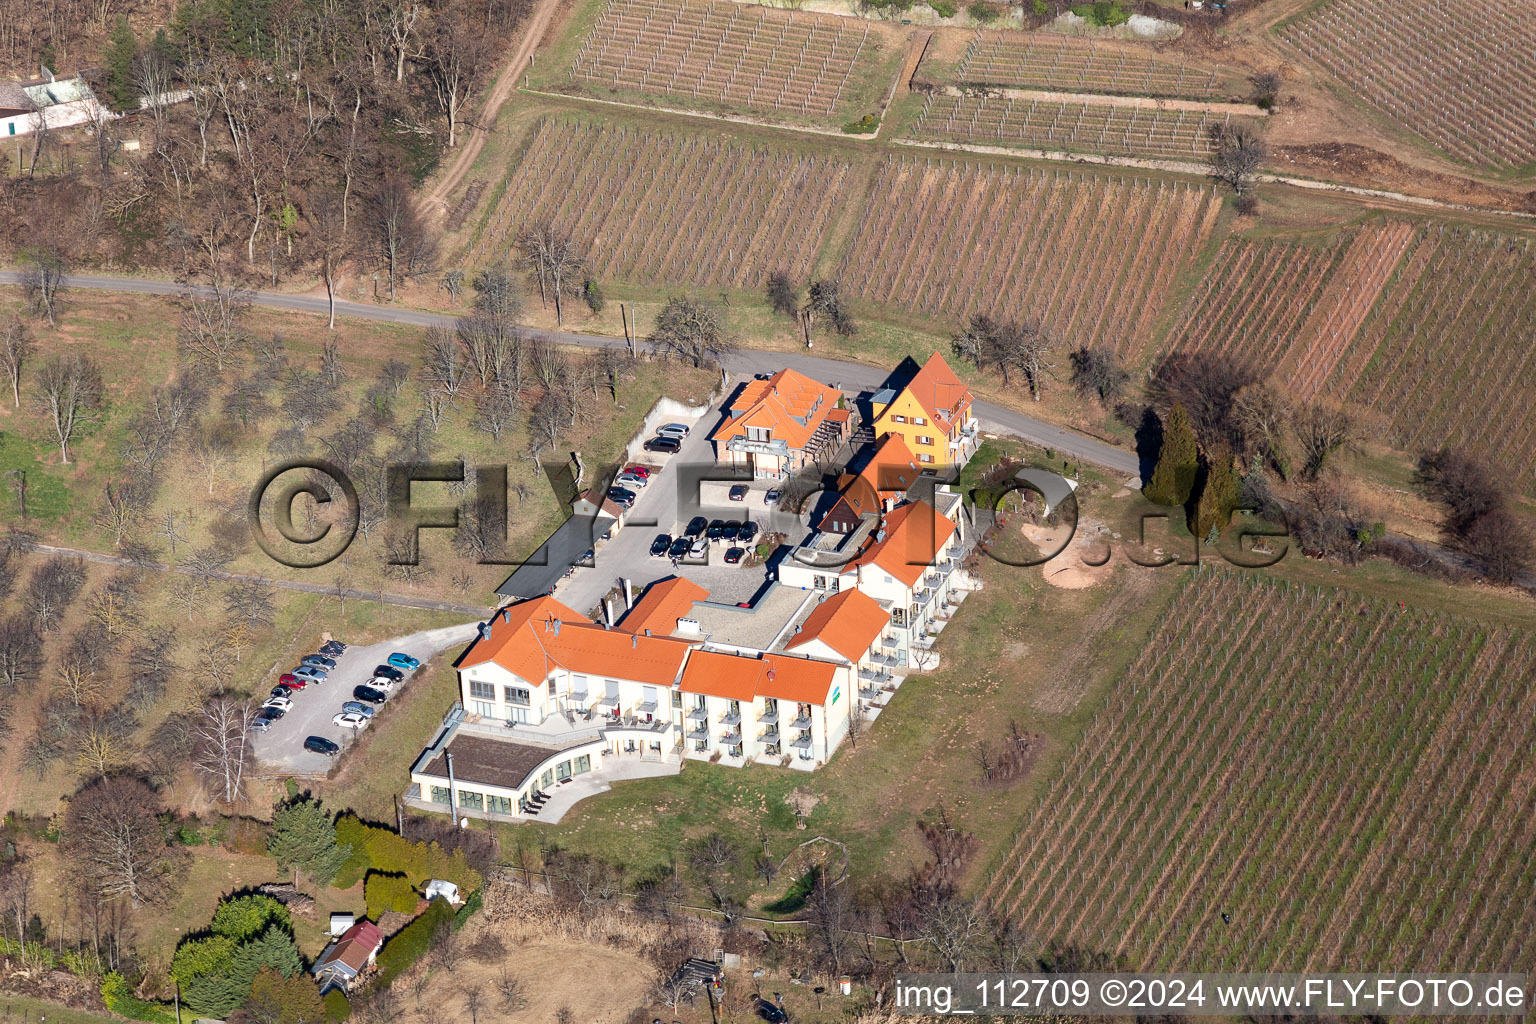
{"x": 759, "y": 434}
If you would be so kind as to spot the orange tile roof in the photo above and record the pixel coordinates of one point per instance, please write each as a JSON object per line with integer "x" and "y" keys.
{"x": 663, "y": 603}
{"x": 789, "y": 404}
{"x": 848, "y": 622}
{"x": 745, "y": 677}
{"x": 532, "y": 638}
{"x": 891, "y": 469}
{"x": 939, "y": 391}
{"x": 914, "y": 535}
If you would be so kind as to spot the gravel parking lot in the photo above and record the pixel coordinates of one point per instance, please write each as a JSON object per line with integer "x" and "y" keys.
{"x": 282, "y": 746}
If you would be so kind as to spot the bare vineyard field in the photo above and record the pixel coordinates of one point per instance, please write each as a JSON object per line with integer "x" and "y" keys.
{"x": 1432, "y": 329}
{"x": 1462, "y": 82}
{"x": 1092, "y": 256}
{"x": 651, "y": 207}
{"x": 1031, "y": 60}
{"x": 781, "y": 61}
{"x": 1448, "y": 357}
{"x": 1346, "y": 778}
{"x": 1068, "y": 127}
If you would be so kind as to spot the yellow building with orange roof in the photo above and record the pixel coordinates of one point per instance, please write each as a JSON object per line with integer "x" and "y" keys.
{"x": 931, "y": 413}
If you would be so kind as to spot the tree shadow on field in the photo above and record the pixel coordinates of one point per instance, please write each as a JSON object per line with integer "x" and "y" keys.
{"x": 1149, "y": 439}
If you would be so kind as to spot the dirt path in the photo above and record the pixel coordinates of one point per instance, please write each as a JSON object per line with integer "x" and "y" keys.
{"x": 1100, "y": 99}
{"x": 506, "y": 85}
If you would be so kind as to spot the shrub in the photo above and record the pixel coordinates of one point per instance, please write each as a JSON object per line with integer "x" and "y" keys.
{"x": 944, "y": 8}
{"x": 1173, "y": 478}
{"x": 119, "y": 997}
{"x": 373, "y": 848}
{"x": 986, "y": 14}
{"x": 1103, "y": 13}
{"x": 411, "y": 943}
{"x": 388, "y": 892}
{"x": 865, "y": 125}
{"x": 1041, "y": 8}
{"x": 592, "y": 293}
{"x": 337, "y": 1009}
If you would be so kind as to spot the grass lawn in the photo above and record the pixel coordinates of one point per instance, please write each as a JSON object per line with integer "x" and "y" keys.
{"x": 1003, "y": 662}
{"x": 26, "y": 1010}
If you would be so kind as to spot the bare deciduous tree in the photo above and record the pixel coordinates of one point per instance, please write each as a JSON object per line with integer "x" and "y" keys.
{"x": 42, "y": 278}
{"x": 16, "y": 348}
{"x": 112, "y": 830}
{"x": 1237, "y": 152}
{"x": 1321, "y": 432}
{"x": 330, "y": 242}
{"x": 70, "y": 392}
{"x": 693, "y": 331}
{"x": 401, "y": 239}
{"x": 554, "y": 260}
{"x": 223, "y": 753}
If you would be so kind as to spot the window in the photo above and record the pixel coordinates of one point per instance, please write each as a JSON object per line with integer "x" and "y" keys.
{"x": 485, "y": 691}
{"x": 919, "y": 421}
{"x": 563, "y": 770}
{"x": 677, "y": 698}
{"x": 924, "y": 439}
{"x": 759, "y": 434}
{"x": 898, "y": 419}
{"x": 924, "y": 457}
{"x": 516, "y": 695}
{"x": 483, "y": 708}
{"x": 440, "y": 794}
{"x": 549, "y": 778}
{"x": 498, "y": 804}
{"x": 579, "y": 685}
{"x": 471, "y": 801}
{"x": 583, "y": 764}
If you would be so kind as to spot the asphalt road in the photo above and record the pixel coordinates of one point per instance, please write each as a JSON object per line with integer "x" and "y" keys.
{"x": 848, "y": 375}
{"x": 282, "y": 746}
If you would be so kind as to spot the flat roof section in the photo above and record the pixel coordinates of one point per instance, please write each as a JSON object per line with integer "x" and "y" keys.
{"x": 490, "y": 762}
{"x": 755, "y": 627}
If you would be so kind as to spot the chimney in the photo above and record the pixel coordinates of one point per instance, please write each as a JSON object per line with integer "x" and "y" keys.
{"x": 629, "y": 595}
{"x": 555, "y": 626}
{"x": 634, "y": 641}
{"x": 608, "y": 612}
{"x": 506, "y": 614}
{"x": 485, "y": 630}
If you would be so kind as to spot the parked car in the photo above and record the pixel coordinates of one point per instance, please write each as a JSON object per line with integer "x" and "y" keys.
{"x": 350, "y": 720}
{"x": 369, "y": 694}
{"x": 665, "y": 445}
{"x": 331, "y": 648}
{"x": 677, "y": 430}
{"x": 640, "y": 471}
{"x": 280, "y": 691}
{"x": 261, "y": 723}
{"x": 293, "y": 682}
{"x": 352, "y": 707}
{"x": 388, "y": 672}
{"x": 287, "y": 677}
{"x": 403, "y": 661}
{"x": 381, "y": 683}
{"x": 734, "y": 555}
{"x": 661, "y": 545}
{"x": 632, "y": 479}
{"x": 731, "y": 530}
{"x": 716, "y": 528}
{"x": 738, "y": 492}
{"x": 314, "y": 675}
{"x": 748, "y": 532}
{"x": 318, "y": 661}
{"x": 700, "y": 548}
{"x": 278, "y": 702}
{"x": 679, "y": 547}
{"x": 271, "y": 714}
{"x": 772, "y": 496}
{"x": 622, "y": 496}
{"x": 696, "y": 526}
{"x": 321, "y": 745}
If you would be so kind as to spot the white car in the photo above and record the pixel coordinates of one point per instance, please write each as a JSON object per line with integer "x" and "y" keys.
{"x": 700, "y": 548}
{"x": 349, "y": 720}
{"x": 382, "y": 683}
{"x": 278, "y": 702}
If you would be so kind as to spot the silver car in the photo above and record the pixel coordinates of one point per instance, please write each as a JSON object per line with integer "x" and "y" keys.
{"x": 677, "y": 430}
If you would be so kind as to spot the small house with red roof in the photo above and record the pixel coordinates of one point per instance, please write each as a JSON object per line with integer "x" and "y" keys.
{"x": 349, "y": 957}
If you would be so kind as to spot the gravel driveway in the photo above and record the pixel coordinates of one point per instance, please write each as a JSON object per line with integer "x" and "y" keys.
{"x": 282, "y": 746}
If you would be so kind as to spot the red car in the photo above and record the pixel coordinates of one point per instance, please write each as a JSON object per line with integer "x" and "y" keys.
{"x": 292, "y": 681}
{"x": 643, "y": 472}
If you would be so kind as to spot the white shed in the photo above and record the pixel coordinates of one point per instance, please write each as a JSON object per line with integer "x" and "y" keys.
{"x": 340, "y": 922}
{"x": 447, "y": 890}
